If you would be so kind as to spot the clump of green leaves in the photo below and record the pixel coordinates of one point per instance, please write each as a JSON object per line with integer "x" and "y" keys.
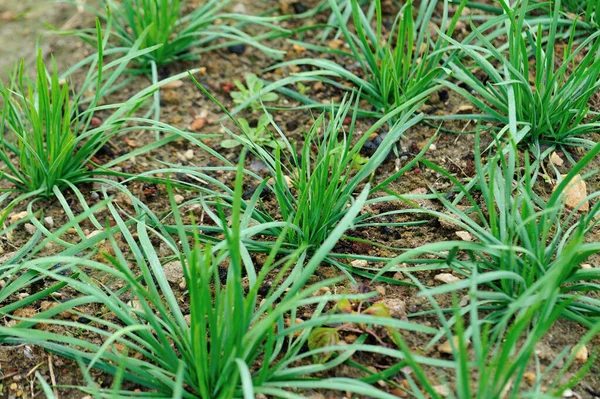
{"x": 552, "y": 96}
{"x": 314, "y": 185}
{"x": 258, "y": 135}
{"x": 234, "y": 342}
{"x": 589, "y": 10}
{"x": 179, "y": 35}
{"x": 500, "y": 358}
{"x": 253, "y": 90}
{"x": 46, "y": 129}
{"x": 527, "y": 247}
{"x": 395, "y": 66}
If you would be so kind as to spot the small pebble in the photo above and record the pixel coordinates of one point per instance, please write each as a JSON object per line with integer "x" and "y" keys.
{"x": 446, "y": 278}
{"x": 556, "y": 159}
{"x": 15, "y": 217}
{"x": 174, "y": 272}
{"x": 29, "y": 228}
{"x": 582, "y": 354}
{"x": 359, "y": 263}
{"x": 299, "y": 7}
{"x": 446, "y": 347}
{"x": 178, "y": 199}
{"x": 237, "y": 49}
{"x": 530, "y": 378}
{"x": 575, "y": 193}
{"x": 198, "y": 124}
{"x": 189, "y": 155}
{"x": 49, "y": 222}
{"x": 464, "y": 235}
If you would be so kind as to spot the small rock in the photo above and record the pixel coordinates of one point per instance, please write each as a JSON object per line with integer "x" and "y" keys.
{"x": 582, "y": 354}
{"x": 530, "y": 378}
{"x": 399, "y": 393}
{"x": 198, "y": 124}
{"x": 586, "y": 266}
{"x": 398, "y": 276}
{"x": 237, "y": 49}
{"x": 336, "y": 44}
{"x": 463, "y": 109}
{"x": 442, "y": 390}
{"x": 170, "y": 97}
{"x": 189, "y": 155}
{"x": 15, "y": 217}
{"x": 556, "y": 160}
{"x": 239, "y": 8}
{"x": 173, "y": 271}
{"x": 29, "y": 228}
{"x": 299, "y": 7}
{"x": 446, "y": 278}
{"x": 95, "y": 196}
{"x": 183, "y": 285}
{"x": 464, "y": 235}
{"x": 380, "y": 289}
{"x": 396, "y": 307}
{"x": 178, "y": 199}
{"x": 446, "y": 347}
{"x": 49, "y": 222}
{"x": 575, "y": 193}
{"x": 359, "y": 263}
{"x": 298, "y": 49}
{"x": 288, "y": 181}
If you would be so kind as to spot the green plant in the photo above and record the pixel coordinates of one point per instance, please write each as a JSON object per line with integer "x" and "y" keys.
{"x": 393, "y": 70}
{"x": 48, "y": 142}
{"x": 258, "y": 135}
{"x": 253, "y": 91}
{"x": 528, "y": 245}
{"x": 551, "y": 97}
{"x": 47, "y": 131}
{"x": 180, "y": 36}
{"x": 314, "y": 187}
{"x": 234, "y": 343}
{"x": 501, "y": 358}
{"x": 590, "y": 10}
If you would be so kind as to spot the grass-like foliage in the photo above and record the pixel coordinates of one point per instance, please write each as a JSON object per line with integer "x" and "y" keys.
{"x": 47, "y": 131}
{"x": 525, "y": 239}
{"x": 315, "y": 184}
{"x": 395, "y": 66}
{"x": 551, "y": 95}
{"x": 38, "y": 114}
{"x": 232, "y": 344}
{"x": 588, "y": 11}
{"x": 500, "y": 358}
{"x": 179, "y": 35}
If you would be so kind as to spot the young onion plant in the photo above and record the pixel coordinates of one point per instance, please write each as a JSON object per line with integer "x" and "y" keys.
{"x": 540, "y": 86}
{"x": 315, "y": 184}
{"x": 395, "y": 67}
{"x": 175, "y": 35}
{"x": 527, "y": 246}
{"x": 502, "y": 362}
{"x": 231, "y": 342}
